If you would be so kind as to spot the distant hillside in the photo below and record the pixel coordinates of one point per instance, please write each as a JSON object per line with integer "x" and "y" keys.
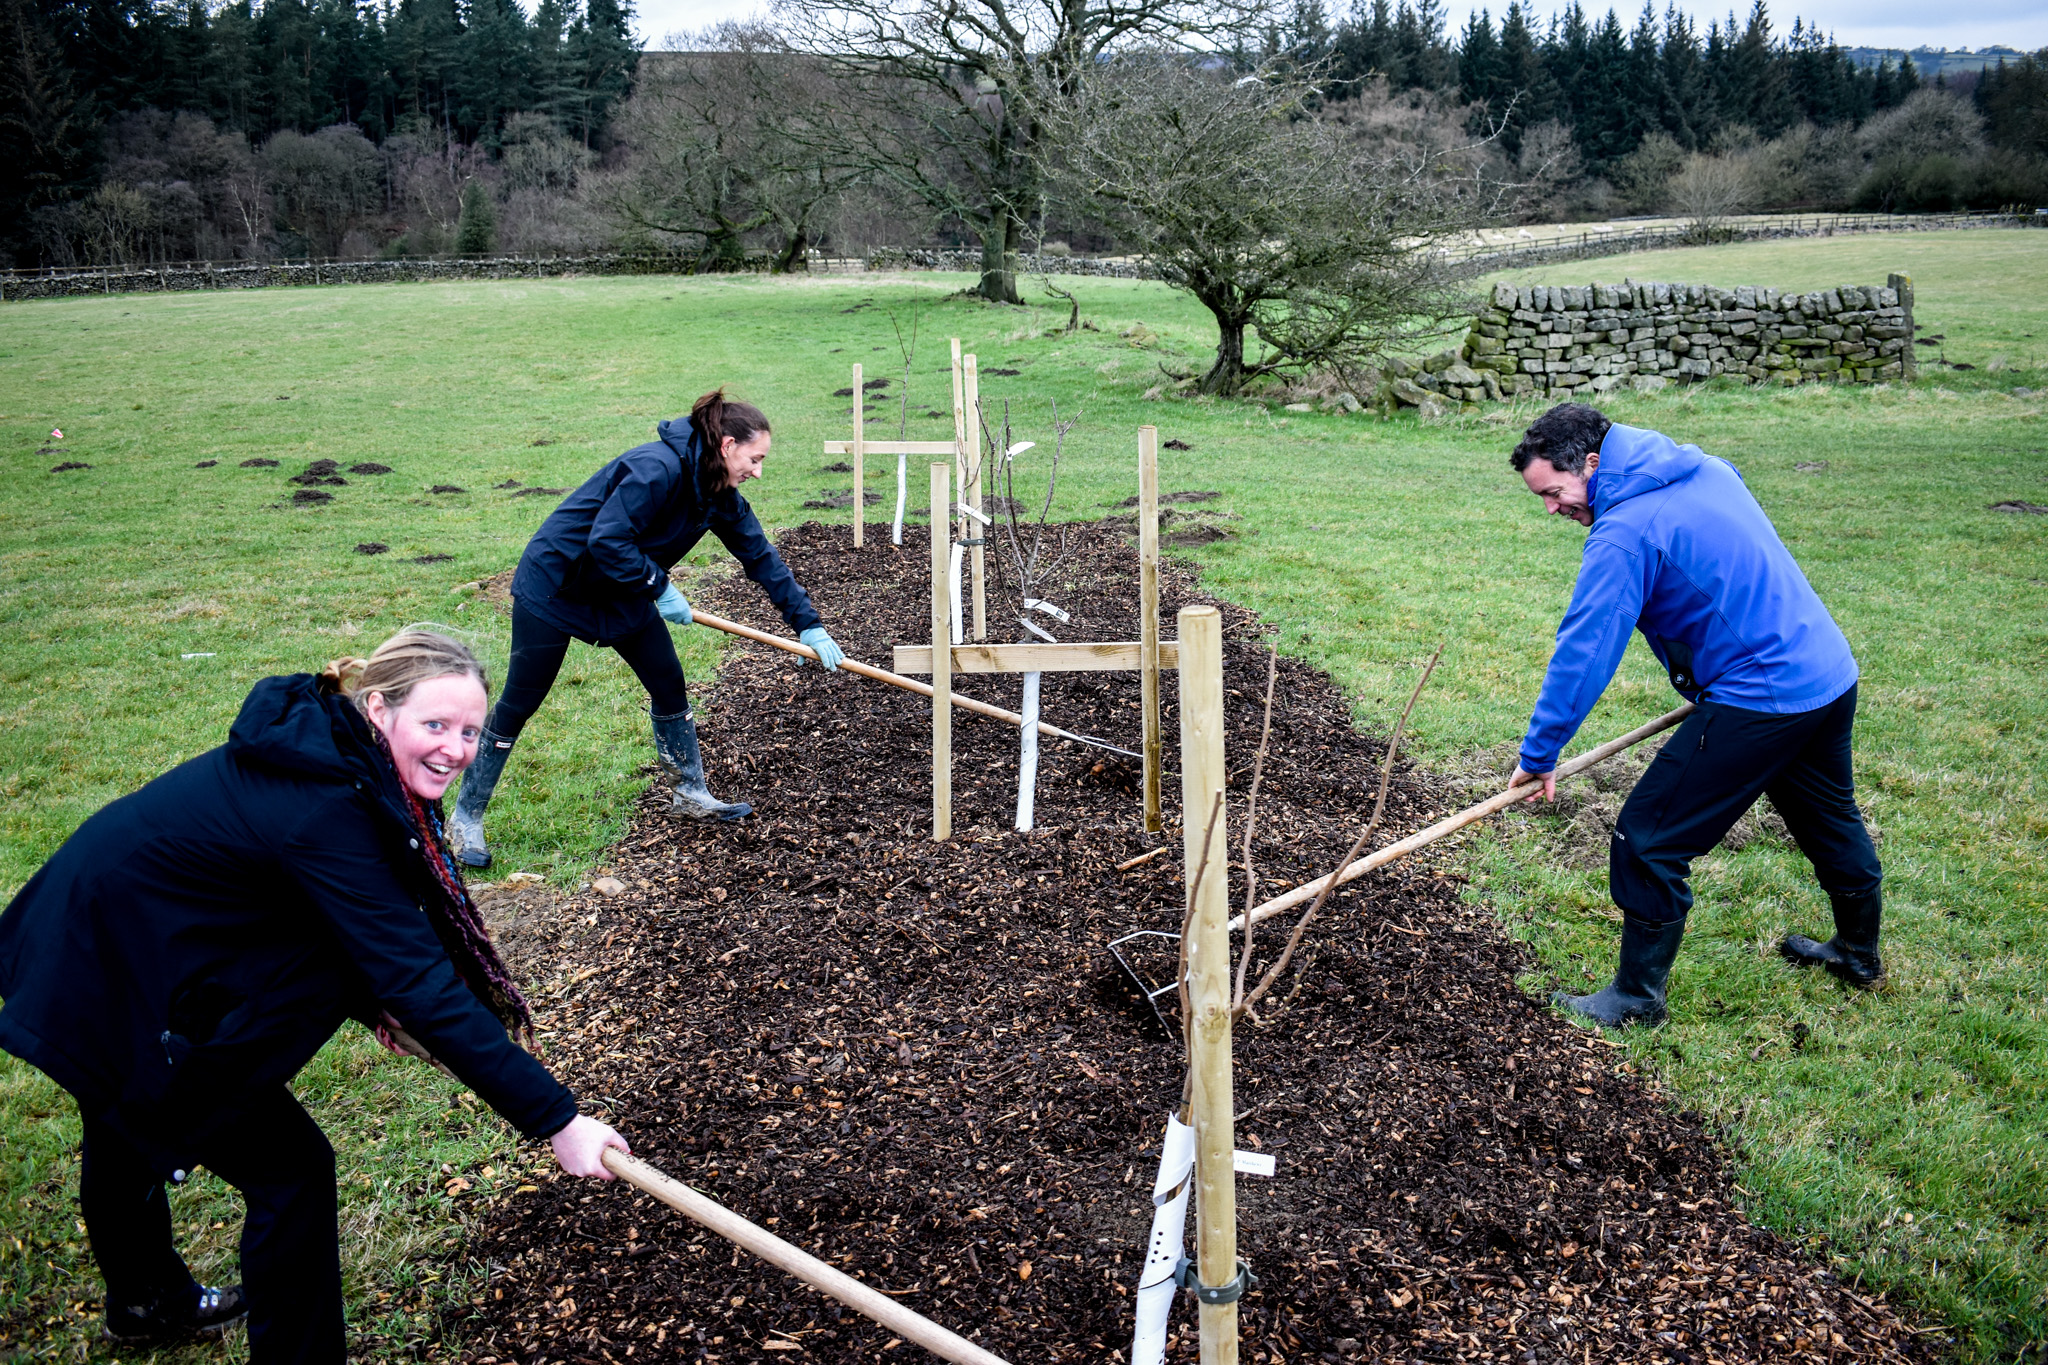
{"x": 1936, "y": 61}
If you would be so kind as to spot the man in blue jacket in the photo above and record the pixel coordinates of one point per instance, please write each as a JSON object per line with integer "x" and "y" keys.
{"x": 1680, "y": 551}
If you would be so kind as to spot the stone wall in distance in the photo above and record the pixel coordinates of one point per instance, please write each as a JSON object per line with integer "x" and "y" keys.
{"x": 1582, "y": 340}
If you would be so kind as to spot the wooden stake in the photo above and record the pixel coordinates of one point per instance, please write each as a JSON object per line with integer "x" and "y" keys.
{"x": 1148, "y": 614}
{"x": 798, "y": 1262}
{"x": 860, "y": 421}
{"x": 959, "y": 421}
{"x": 942, "y": 649}
{"x": 971, "y": 497}
{"x": 1208, "y": 956}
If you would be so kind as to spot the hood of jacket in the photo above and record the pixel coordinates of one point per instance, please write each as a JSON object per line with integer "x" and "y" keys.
{"x": 292, "y": 725}
{"x": 680, "y": 435}
{"x": 1634, "y": 461}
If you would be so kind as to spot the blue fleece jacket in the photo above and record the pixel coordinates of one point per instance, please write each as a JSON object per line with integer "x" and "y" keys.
{"x": 1680, "y": 551}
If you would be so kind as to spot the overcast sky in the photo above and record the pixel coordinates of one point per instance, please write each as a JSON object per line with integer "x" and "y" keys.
{"x": 1866, "y": 23}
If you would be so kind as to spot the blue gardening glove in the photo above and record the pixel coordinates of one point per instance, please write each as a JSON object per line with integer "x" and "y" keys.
{"x": 673, "y": 606}
{"x": 829, "y": 654}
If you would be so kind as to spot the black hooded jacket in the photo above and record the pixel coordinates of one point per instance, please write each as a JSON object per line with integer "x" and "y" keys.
{"x": 598, "y": 562}
{"x": 200, "y": 939}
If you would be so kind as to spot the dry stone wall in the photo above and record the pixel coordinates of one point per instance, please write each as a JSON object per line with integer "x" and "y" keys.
{"x": 1582, "y": 340}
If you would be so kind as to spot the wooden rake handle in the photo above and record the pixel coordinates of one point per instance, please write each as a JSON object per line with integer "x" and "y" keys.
{"x": 1380, "y": 857}
{"x": 880, "y": 675}
{"x": 751, "y": 1236}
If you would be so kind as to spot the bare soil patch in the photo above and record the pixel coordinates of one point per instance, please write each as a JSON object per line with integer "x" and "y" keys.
{"x": 918, "y": 1060}
{"x": 841, "y": 497}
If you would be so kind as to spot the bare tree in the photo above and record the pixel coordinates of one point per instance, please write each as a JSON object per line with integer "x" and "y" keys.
{"x": 730, "y": 140}
{"x": 1031, "y": 560}
{"x": 1311, "y": 226}
{"x": 1707, "y": 189}
{"x": 951, "y": 91}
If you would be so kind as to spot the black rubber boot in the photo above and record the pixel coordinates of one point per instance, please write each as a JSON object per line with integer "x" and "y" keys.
{"x": 1636, "y": 995}
{"x": 175, "y": 1318}
{"x": 1852, "y": 953}
{"x": 675, "y": 740}
{"x": 479, "y": 781}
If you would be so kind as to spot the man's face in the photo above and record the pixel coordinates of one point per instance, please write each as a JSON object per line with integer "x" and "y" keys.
{"x": 1563, "y": 493}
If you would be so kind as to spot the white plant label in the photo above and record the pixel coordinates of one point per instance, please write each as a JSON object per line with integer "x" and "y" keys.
{"x": 1253, "y": 1163}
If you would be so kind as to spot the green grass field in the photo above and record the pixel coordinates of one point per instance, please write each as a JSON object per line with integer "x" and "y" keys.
{"x": 141, "y": 597}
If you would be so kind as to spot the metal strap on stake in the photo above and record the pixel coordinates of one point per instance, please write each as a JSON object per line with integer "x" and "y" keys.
{"x": 911, "y": 1326}
{"x": 1184, "y": 1275}
{"x": 1308, "y": 890}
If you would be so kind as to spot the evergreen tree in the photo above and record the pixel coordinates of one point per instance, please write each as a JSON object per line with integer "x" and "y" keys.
{"x": 1482, "y": 74}
{"x": 476, "y": 231}
{"x": 493, "y": 72}
{"x": 1527, "y": 76}
{"x": 1688, "y": 114}
{"x": 2014, "y": 102}
{"x": 603, "y": 54}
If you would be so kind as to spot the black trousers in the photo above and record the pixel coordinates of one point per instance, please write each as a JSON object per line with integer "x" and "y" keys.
{"x": 538, "y": 649}
{"x": 277, "y": 1157}
{"x": 1713, "y": 768}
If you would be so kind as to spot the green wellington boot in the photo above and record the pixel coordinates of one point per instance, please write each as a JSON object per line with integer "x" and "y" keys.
{"x": 1636, "y": 995}
{"x": 675, "y": 740}
{"x": 1852, "y": 953}
{"x": 479, "y": 781}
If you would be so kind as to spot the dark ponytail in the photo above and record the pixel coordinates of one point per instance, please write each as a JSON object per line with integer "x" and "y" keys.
{"x": 715, "y": 417}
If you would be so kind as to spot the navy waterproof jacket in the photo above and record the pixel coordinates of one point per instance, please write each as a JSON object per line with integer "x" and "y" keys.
{"x": 598, "y": 562}
{"x": 199, "y": 940}
{"x": 1681, "y": 551}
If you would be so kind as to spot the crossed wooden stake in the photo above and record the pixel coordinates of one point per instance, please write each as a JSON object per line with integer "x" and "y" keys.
{"x": 1148, "y": 654}
{"x": 965, "y": 449}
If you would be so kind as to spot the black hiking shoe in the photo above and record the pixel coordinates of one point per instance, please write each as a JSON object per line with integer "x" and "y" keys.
{"x": 479, "y": 782}
{"x": 1851, "y": 955}
{"x": 675, "y": 740}
{"x": 176, "y": 1317}
{"x": 1636, "y": 995}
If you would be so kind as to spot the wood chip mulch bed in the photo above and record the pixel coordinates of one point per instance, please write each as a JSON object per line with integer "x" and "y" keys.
{"x": 919, "y": 1062}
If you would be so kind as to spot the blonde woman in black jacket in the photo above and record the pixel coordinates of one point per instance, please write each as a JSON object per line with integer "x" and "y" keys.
{"x": 192, "y": 946}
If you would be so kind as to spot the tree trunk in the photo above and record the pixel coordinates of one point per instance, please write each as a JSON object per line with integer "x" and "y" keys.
{"x": 998, "y": 261}
{"x": 1226, "y": 376}
{"x": 792, "y": 256}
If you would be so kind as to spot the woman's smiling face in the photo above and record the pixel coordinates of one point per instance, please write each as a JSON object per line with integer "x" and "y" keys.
{"x": 433, "y": 735}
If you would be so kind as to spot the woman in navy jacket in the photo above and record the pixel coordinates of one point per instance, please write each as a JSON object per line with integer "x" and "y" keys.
{"x": 192, "y": 946}
{"x": 597, "y": 571}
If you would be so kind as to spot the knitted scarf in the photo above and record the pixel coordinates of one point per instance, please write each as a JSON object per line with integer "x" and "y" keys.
{"x": 454, "y": 915}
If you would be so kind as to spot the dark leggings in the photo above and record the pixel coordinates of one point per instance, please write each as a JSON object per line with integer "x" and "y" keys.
{"x": 537, "y": 652}
{"x": 274, "y": 1154}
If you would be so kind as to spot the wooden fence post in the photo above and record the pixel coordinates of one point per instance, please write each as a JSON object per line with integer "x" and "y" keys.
{"x": 860, "y": 422}
{"x": 1909, "y": 362}
{"x": 959, "y": 419}
{"x": 942, "y": 657}
{"x": 970, "y": 496}
{"x": 1208, "y": 954}
{"x": 1148, "y": 608}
